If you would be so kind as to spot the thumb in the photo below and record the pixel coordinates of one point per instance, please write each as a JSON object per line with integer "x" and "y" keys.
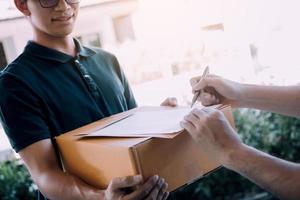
{"x": 124, "y": 182}
{"x": 209, "y": 81}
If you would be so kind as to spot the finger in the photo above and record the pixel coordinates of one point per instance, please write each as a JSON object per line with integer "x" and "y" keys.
{"x": 199, "y": 113}
{"x": 192, "y": 118}
{"x": 144, "y": 190}
{"x": 164, "y": 102}
{"x": 162, "y": 191}
{"x": 124, "y": 182}
{"x": 208, "y": 99}
{"x": 187, "y": 126}
{"x": 171, "y": 101}
{"x": 155, "y": 191}
{"x": 213, "y": 112}
{"x": 166, "y": 195}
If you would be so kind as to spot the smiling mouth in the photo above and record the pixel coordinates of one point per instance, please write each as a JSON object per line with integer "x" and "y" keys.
{"x": 62, "y": 19}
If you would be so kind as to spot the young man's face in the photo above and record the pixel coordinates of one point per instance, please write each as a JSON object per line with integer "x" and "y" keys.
{"x": 56, "y": 21}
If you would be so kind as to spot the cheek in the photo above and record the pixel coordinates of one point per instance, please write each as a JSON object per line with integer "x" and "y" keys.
{"x": 75, "y": 9}
{"x": 40, "y": 20}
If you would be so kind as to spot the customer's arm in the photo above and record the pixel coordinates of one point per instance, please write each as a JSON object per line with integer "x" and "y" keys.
{"x": 55, "y": 184}
{"x": 280, "y": 99}
{"x": 278, "y": 176}
{"x": 210, "y": 129}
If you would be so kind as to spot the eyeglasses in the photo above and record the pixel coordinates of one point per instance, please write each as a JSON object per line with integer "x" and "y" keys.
{"x": 53, "y": 3}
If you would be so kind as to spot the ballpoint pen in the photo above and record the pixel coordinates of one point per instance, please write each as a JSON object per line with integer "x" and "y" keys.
{"x": 197, "y": 93}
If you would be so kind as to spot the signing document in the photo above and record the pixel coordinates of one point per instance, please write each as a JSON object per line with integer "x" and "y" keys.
{"x": 160, "y": 123}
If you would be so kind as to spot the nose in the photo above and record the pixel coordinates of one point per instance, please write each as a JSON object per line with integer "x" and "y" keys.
{"x": 62, "y": 5}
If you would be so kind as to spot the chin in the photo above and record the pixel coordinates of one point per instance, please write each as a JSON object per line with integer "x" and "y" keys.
{"x": 61, "y": 33}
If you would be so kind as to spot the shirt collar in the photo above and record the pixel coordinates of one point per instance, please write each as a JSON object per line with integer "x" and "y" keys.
{"x": 43, "y": 52}
{"x": 82, "y": 50}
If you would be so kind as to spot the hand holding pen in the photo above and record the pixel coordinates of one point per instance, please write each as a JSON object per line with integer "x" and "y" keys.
{"x": 212, "y": 90}
{"x": 197, "y": 93}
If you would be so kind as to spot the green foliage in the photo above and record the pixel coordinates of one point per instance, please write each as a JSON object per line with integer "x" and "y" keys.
{"x": 15, "y": 182}
{"x": 276, "y": 134}
{"x": 272, "y": 133}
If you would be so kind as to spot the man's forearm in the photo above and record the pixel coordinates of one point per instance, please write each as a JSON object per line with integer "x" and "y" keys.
{"x": 277, "y": 176}
{"x": 284, "y": 100}
{"x": 57, "y": 185}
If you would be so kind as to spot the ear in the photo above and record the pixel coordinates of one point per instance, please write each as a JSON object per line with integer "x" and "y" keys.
{"x": 22, "y": 6}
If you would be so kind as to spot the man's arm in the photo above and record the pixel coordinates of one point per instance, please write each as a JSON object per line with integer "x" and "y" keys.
{"x": 43, "y": 166}
{"x": 282, "y": 178}
{"x": 55, "y": 184}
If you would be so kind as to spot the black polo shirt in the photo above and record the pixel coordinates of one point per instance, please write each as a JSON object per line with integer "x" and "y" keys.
{"x": 45, "y": 93}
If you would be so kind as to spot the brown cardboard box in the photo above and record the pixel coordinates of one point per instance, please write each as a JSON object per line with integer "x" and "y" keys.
{"x": 99, "y": 159}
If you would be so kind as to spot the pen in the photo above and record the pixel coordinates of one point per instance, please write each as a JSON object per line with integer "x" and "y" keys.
{"x": 197, "y": 93}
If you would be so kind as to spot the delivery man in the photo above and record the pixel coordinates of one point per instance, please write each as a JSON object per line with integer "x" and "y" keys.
{"x": 211, "y": 130}
{"x": 57, "y": 85}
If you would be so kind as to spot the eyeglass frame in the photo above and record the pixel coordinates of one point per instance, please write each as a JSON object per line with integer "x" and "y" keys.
{"x": 57, "y": 2}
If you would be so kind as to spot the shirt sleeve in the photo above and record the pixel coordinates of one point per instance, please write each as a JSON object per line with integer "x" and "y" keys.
{"x": 130, "y": 100}
{"x": 21, "y": 113}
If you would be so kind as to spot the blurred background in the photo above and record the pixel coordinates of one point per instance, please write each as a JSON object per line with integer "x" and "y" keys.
{"x": 161, "y": 44}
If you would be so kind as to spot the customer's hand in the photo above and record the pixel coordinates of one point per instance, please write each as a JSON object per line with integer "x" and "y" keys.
{"x": 211, "y": 130}
{"x": 170, "y": 101}
{"x": 217, "y": 90}
{"x": 154, "y": 188}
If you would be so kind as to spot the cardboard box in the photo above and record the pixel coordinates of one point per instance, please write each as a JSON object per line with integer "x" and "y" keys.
{"x": 99, "y": 159}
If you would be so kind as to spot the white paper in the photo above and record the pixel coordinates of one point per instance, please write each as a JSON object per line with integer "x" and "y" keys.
{"x": 146, "y": 123}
